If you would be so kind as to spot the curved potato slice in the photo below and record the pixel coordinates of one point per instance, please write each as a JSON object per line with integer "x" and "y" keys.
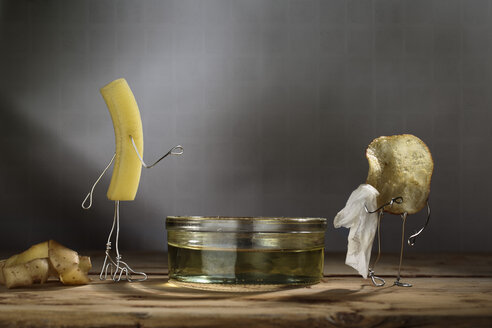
{"x": 400, "y": 165}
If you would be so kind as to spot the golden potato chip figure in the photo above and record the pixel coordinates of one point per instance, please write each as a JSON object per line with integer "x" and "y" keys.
{"x": 400, "y": 168}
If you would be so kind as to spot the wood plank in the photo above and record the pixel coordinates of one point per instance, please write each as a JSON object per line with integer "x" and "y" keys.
{"x": 414, "y": 264}
{"x": 345, "y": 301}
{"x": 148, "y": 262}
{"x": 419, "y": 265}
{"x": 449, "y": 290}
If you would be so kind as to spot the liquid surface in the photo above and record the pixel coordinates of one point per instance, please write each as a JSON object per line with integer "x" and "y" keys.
{"x": 245, "y": 266}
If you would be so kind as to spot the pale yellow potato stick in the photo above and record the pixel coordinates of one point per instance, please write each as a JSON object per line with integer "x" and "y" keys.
{"x": 127, "y": 122}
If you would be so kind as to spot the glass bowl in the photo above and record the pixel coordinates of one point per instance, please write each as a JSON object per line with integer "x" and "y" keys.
{"x": 245, "y": 250}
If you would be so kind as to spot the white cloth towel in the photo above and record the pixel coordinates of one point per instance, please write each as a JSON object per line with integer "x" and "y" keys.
{"x": 362, "y": 226}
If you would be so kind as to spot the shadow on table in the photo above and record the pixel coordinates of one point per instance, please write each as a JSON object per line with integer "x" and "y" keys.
{"x": 337, "y": 295}
{"x": 163, "y": 289}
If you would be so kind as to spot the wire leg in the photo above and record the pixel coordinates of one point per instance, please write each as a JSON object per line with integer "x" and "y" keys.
{"x": 397, "y": 281}
{"x": 377, "y": 281}
{"x": 117, "y": 268}
{"x": 412, "y": 238}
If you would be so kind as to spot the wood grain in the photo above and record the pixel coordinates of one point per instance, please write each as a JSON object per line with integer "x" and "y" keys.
{"x": 338, "y": 301}
{"x": 414, "y": 264}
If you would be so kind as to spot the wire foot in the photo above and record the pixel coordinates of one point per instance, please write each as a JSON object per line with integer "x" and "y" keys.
{"x": 401, "y": 284}
{"x": 116, "y": 268}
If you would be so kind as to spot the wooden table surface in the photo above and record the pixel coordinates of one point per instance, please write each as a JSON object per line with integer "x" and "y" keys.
{"x": 452, "y": 290}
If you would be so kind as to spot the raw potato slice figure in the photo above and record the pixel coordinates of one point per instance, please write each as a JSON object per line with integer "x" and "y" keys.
{"x": 400, "y": 165}
{"x": 128, "y": 162}
{"x": 126, "y": 122}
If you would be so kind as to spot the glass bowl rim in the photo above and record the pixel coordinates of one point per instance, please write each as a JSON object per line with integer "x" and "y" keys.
{"x": 246, "y": 224}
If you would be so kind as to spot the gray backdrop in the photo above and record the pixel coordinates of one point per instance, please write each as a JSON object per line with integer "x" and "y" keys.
{"x": 273, "y": 101}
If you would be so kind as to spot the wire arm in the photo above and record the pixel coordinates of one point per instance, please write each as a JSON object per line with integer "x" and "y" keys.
{"x": 396, "y": 200}
{"x": 176, "y": 150}
{"x": 89, "y": 195}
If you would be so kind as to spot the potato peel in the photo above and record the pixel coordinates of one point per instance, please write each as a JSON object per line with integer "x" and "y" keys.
{"x": 42, "y": 261}
{"x": 76, "y": 276}
{"x": 400, "y": 166}
{"x": 25, "y": 274}
{"x": 38, "y": 269}
{"x": 62, "y": 258}
{"x": 17, "y": 276}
